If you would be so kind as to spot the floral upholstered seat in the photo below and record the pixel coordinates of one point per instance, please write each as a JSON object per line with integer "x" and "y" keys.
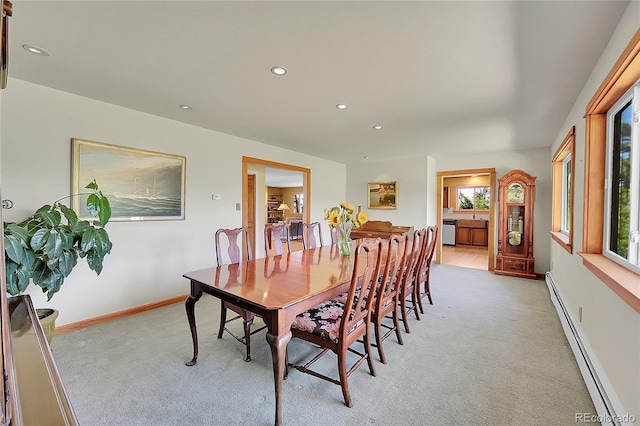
{"x": 324, "y": 320}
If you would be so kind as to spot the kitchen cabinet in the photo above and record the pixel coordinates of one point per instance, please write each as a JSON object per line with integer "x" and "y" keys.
{"x": 471, "y": 232}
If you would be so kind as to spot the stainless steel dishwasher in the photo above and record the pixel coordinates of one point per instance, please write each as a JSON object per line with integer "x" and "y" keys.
{"x": 449, "y": 232}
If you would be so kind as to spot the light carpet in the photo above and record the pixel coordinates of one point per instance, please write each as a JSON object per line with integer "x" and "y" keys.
{"x": 490, "y": 351}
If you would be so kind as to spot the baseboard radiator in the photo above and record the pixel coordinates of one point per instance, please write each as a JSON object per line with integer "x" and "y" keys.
{"x": 608, "y": 406}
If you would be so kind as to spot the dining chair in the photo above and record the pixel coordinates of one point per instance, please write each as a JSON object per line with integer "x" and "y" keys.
{"x": 309, "y": 231}
{"x": 407, "y": 301}
{"x": 335, "y": 325}
{"x": 274, "y": 234}
{"x": 385, "y": 306}
{"x": 235, "y": 254}
{"x": 335, "y": 235}
{"x": 424, "y": 270}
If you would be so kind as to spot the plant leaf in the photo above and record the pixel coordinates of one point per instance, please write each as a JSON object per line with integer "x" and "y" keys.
{"x": 94, "y": 260}
{"x": 12, "y": 278}
{"x": 88, "y": 239}
{"x": 93, "y": 205}
{"x": 105, "y": 210}
{"x": 50, "y": 218}
{"x": 103, "y": 244}
{"x": 13, "y": 248}
{"x": 70, "y": 214}
{"x": 39, "y": 239}
{"x": 41, "y": 274}
{"x": 92, "y": 185}
{"x": 53, "y": 248}
{"x": 80, "y": 227}
{"x": 19, "y": 232}
{"x": 68, "y": 261}
{"x": 66, "y": 238}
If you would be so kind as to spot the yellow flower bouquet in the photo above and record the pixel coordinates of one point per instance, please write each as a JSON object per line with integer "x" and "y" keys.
{"x": 343, "y": 218}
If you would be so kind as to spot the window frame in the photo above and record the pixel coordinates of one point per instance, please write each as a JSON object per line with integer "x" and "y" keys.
{"x": 623, "y": 75}
{"x": 632, "y": 97}
{"x": 567, "y": 199}
{"x": 565, "y": 152}
{"x": 458, "y": 188}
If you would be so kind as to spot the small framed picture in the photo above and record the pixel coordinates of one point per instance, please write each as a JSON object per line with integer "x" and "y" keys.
{"x": 382, "y": 195}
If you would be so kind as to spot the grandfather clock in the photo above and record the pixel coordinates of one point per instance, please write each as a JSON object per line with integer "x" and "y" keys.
{"x": 516, "y": 194}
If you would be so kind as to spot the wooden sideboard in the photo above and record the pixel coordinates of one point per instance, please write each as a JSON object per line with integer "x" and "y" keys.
{"x": 40, "y": 398}
{"x": 380, "y": 228}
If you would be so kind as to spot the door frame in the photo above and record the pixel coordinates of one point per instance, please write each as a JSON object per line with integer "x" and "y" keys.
{"x": 492, "y": 209}
{"x": 306, "y": 184}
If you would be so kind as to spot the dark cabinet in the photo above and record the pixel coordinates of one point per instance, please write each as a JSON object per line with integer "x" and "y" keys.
{"x": 471, "y": 232}
{"x": 479, "y": 236}
{"x": 463, "y": 236}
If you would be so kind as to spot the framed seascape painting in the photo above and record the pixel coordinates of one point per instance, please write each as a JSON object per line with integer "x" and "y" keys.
{"x": 382, "y": 195}
{"x": 140, "y": 185}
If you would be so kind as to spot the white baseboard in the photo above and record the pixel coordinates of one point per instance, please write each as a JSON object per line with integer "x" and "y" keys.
{"x": 608, "y": 406}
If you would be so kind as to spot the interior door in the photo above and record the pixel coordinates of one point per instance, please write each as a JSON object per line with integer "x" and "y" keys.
{"x": 251, "y": 210}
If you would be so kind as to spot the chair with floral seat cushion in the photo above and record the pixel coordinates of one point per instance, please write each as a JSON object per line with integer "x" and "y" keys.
{"x": 422, "y": 287}
{"x": 274, "y": 236}
{"x": 408, "y": 301}
{"x": 311, "y": 235}
{"x": 337, "y": 324}
{"x": 387, "y": 296}
{"x": 235, "y": 250}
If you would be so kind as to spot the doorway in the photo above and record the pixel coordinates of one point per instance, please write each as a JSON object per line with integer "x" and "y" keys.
{"x": 473, "y": 245}
{"x": 257, "y": 217}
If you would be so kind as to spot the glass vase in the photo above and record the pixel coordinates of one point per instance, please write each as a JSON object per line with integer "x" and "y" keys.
{"x": 345, "y": 245}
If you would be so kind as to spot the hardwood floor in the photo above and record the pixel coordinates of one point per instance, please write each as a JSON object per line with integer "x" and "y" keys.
{"x": 466, "y": 256}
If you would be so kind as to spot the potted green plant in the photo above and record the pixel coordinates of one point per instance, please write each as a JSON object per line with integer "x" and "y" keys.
{"x": 45, "y": 247}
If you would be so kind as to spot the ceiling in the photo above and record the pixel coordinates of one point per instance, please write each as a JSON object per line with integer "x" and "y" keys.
{"x": 454, "y": 77}
{"x": 282, "y": 178}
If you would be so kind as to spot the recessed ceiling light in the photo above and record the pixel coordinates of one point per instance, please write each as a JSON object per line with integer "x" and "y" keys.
{"x": 35, "y": 50}
{"x": 366, "y": 157}
{"x": 342, "y": 106}
{"x": 279, "y": 70}
{"x": 378, "y": 127}
{"x": 183, "y": 106}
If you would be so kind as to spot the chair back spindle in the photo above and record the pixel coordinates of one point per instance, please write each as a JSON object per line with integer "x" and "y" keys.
{"x": 234, "y": 249}
{"x": 309, "y": 240}
{"x": 274, "y": 233}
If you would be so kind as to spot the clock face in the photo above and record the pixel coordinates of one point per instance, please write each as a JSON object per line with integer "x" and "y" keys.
{"x": 515, "y": 193}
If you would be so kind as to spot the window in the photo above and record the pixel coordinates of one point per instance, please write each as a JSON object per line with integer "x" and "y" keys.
{"x": 474, "y": 198}
{"x": 567, "y": 173}
{"x": 563, "y": 171}
{"x": 298, "y": 203}
{"x": 622, "y": 181}
{"x": 620, "y": 278}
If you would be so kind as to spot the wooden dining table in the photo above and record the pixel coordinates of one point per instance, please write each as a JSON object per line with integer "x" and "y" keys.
{"x": 276, "y": 288}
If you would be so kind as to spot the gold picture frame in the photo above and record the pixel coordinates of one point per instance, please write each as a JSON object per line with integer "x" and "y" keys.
{"x": 382, "y": 195}
{"x": 140, "y": 185}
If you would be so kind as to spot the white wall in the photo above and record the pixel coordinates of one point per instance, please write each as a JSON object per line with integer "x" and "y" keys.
{"x": 148, "y": 258}
{"x": 411, "y": 175}
{"x": 610, "y": 325}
